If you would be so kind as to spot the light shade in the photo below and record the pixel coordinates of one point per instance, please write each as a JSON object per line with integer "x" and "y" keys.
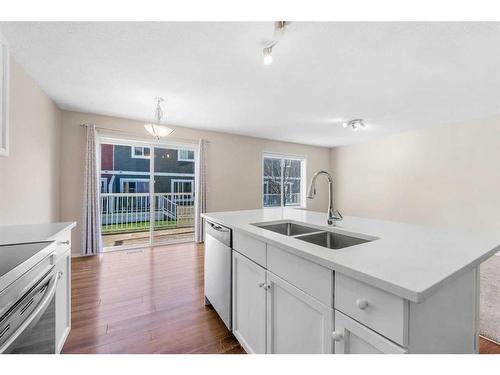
{"x": 158, "y": 130}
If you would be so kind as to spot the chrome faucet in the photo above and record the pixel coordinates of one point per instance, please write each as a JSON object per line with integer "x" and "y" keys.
{"x": 333, "y": 214}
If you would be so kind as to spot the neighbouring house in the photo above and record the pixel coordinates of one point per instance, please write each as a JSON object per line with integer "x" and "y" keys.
{"x": 126, "y": 169}
{"x": 126, "y": 190}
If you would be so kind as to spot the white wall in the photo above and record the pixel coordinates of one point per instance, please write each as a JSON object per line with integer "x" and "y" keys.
{"x": 234, "y": 165}
{"x": 447, "y": 176}
{"x": 29, "y": 176}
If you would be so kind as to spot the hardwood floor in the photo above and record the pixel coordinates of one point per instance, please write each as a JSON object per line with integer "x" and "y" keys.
{"x": 488, "y": 347}
{"x": 150, "y": 301}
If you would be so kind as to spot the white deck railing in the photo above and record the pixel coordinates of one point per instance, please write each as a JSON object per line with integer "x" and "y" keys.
{"x": 122, "y": 212}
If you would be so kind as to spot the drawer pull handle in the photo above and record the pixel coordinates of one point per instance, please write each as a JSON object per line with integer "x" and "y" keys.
{"x": 261, "y": 284}
{"x": 59, "y": 274}
{"x": 362, "y": 303}
{"x": 337, "y": 336}
{"x": 63, "y": 242}
{"x": 267, "y": 286}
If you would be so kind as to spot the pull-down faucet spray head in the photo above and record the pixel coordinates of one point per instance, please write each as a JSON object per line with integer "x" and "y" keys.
{"x": 311, "y": 192}
{"x": 333, "y": 214}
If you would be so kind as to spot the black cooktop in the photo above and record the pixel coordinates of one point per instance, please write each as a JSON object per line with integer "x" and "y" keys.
{"x": 12, "y": 256}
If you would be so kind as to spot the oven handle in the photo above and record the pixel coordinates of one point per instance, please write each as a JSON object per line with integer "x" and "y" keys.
{"x": 35, "y": 315}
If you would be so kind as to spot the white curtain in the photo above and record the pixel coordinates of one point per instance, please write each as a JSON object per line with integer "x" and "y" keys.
{"x": 201, "y": 190}
{"x": 91, "y": 219}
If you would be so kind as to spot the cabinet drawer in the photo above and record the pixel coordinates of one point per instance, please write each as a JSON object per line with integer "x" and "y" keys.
{"x": 250, "y": 247}
{"x": 308, "y": 276}
{"x": 379, "y": 310}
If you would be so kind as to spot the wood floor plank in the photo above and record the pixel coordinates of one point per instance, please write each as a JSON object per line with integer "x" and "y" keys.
{"x": 145, "y": 302}
{"x": 488, "y": 347}
{"x": 150, "y": 302}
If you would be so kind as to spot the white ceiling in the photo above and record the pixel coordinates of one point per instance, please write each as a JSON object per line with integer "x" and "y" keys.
{"x": 396, "y": 76}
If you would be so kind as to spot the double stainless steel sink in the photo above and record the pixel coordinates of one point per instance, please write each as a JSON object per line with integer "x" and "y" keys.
{"x": 329, "y": 239}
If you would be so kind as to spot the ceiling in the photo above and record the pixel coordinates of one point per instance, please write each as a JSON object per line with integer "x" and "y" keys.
{"x": 396, "y": 76}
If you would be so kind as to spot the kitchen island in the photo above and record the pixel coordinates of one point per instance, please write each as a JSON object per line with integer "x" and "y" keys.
{"x": 396, "y": 288}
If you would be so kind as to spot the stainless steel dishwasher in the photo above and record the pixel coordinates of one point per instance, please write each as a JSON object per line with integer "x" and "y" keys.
{"x": 218, "y": 266}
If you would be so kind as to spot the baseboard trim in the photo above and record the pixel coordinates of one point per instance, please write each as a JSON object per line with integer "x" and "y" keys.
{"x": 490, "y": 340}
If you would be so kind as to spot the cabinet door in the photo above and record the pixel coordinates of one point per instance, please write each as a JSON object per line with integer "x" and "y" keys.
{"x": 249, "y": 304}
{"x": 63, "y": 300}
{"x": 296, "y": 322}
{"x": 352, "y": 337}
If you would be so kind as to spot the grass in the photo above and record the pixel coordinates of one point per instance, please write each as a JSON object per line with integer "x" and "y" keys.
{"x": 136, "y": 227}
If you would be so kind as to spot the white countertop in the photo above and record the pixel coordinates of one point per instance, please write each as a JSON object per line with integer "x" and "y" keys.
{"x": 410, "y": 261}
{"x": 15, "y": 234}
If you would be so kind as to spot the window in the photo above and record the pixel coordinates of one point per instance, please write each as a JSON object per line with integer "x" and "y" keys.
{"x": 185, "y": 155}
{"x": 283, "y": 181}
{"x": 104, "y": 185}
{"x": 134, "y": 185}
{"x": 182, "y": 186}
{"x": 139, "y": 152}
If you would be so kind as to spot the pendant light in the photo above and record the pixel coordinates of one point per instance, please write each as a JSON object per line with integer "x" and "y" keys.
{"x": 155, "y": 129}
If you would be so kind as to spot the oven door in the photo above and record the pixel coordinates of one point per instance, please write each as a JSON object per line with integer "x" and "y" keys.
{"x": 29, "y": 326}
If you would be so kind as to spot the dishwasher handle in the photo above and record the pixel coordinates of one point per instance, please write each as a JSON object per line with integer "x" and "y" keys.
{"x": 219, "y": 232}
{"x": 218, "y": 227}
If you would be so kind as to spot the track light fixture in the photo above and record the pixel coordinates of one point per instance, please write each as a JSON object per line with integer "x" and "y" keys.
{"x": 354, "y": 124}
{"x": 268, "y": 54}
{"x": 279, "y": 32}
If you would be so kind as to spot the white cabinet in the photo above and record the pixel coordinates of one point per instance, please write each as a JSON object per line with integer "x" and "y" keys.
{"x": 352, "y": 337}
{"x": 296, "y": 322}
{"x": 63, "y": 290}
{"x": 298, "y": 306}
{"x": 249, "y": 304}
{"x": 383, "y": 312}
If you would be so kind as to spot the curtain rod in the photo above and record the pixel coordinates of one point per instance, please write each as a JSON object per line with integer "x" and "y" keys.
{"x": 135, "y": 134}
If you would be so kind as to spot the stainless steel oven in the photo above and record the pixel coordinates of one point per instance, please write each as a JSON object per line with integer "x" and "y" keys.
{"x": 27, "y": 311}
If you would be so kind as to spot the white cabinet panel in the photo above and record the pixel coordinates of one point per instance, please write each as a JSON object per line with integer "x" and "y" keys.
{"x": 296, "y": 322}
{"x": 352, "y": 337}
{"x": 310, "y": 277}
{"x": 250, "y": 247}
{"x": 63, "y": 298}
{"x": 249, "y": 304}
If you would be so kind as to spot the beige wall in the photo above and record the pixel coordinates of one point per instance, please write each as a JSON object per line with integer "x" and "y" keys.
{"x": 234, "y": 165}
{"x": 29, "y": 176}
{"x": 446, "y": 176}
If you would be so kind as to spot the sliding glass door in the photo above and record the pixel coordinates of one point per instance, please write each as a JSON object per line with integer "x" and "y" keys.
{"x": 147, "y": 193}
{"x": 173, "y": 194}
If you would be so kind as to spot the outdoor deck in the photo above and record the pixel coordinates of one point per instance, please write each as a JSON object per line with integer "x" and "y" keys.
{"x": 126, "y": 218}
{"x": 142, "y": 238}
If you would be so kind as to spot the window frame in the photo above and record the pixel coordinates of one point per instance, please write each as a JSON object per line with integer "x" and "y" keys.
{"x": 179, "y": 158}
{"x": 176, "y": 180}
{"x": 303, "y": 177}
{"x": 104, "y": 185}
{"x": 134, "y": 156}
{"x": 136, "y": 180}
